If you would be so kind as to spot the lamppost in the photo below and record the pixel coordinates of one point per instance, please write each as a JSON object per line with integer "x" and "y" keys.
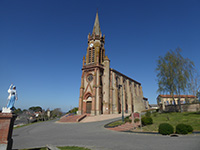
{"x": 120, "y": 86}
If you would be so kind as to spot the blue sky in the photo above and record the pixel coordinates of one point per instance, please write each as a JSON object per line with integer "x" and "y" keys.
{"x": 42, "y": 43}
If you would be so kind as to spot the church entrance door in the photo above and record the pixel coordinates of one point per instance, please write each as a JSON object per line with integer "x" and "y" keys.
{"x": 88, "y": 107}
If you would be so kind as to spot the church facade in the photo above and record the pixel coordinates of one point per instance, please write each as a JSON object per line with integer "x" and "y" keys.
{"x": 104, "y": 90}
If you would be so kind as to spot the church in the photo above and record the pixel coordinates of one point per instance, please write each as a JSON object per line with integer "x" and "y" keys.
{"x": 105, "y": 90}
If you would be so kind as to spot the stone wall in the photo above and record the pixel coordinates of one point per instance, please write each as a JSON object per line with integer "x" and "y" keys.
{"x": 185, "y": 108}
{"x": 6, "y": 128}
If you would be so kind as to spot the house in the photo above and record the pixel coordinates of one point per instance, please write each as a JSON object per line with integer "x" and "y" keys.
{"x": 165, "y": 100}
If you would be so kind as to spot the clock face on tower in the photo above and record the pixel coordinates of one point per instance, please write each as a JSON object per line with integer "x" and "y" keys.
{"x": 90, "y": 77}
{"x": 91, "y": 45}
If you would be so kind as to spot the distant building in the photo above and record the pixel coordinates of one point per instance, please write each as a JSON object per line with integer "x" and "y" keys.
{"x": 100, "y": 91}
{"x": 164, "y": 100}
{"x": 153, "y": 106}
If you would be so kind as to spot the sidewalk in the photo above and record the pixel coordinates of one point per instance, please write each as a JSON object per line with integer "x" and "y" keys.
{"x": 102, "y": 117}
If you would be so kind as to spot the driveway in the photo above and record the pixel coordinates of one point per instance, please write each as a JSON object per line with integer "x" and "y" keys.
{"x": 94, "y": 136}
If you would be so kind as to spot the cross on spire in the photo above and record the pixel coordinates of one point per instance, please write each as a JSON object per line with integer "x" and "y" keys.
{"x": 96, "y": 28}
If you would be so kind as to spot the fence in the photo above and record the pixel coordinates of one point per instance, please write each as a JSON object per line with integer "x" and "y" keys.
{"x": 185, "y": 108}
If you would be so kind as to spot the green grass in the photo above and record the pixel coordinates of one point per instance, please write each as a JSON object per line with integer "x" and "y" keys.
{"x": 119, "y": 122}
{"x": 190, "y": 118}
{"x": 116, "y": 123}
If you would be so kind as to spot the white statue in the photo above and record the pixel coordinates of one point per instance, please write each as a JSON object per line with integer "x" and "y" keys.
{"x": 11, "y": 99}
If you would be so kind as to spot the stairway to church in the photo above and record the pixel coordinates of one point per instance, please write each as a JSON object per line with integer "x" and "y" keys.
{"x": 88, "y": 118}
{"x": 72, "y": 118}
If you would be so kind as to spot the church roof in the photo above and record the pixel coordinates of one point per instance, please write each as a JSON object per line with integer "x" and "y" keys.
{"x": 96, "y": 28}
{"x": 124, "y": 75}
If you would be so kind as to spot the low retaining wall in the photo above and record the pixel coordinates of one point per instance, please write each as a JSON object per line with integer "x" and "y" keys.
{"x": 185, "y": 108}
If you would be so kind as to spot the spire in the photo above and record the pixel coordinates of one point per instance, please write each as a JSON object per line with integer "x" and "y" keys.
{"x": 96, "y": 28}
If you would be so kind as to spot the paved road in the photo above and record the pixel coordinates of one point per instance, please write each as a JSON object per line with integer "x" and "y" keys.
{"x": 96, "y": 137}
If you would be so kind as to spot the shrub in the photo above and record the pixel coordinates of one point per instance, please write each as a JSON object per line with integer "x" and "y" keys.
{"x": 148, "y": 114}
{"x": 165, "y": 129}
{"x": 127, "y": 119}
{"x": 189, "y": 128}
{"x": 147, "y": 121}
{"x": 136, "y": 120}
{"x": 183, "y": 129}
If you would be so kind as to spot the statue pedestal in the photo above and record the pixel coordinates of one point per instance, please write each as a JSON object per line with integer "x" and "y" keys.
{"x": 6, "y": 110}
{"x": 6, "y": 128}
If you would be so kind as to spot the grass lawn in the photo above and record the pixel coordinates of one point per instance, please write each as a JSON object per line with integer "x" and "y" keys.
{"x": 119, "y": 122}
{"x": 116, "y": 123}
{"x": 190, "y": 118}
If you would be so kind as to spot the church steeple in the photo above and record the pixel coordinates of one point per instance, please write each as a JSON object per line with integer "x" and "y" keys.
{"x": 96, "y": 28}
{"x": 95, "y": 50}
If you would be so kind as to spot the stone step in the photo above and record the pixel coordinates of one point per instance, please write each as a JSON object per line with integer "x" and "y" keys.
{"x": 71, "y": 118}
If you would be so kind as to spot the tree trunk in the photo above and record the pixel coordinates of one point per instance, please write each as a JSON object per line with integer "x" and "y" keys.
{"x": 179, "y": 100}
{"x": 175, "y": 109}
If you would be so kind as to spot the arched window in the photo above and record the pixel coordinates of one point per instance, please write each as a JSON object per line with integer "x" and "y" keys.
{"x": 93, "y": 54}
{"x": 89, "y": 56}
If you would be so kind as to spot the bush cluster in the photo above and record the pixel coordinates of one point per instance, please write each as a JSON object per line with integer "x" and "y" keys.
{"x": 147, "y": 121}
{"x": 127, "y": 119}
{"x": 165, "y": 129}
{"x": 183, "y": 129}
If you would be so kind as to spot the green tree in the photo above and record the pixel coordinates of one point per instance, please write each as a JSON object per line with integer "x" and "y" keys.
{"x": 166, "y": 74}
{"x": 174, "y": 73}
{"x": 35, "y": 108}
{"x": 184, "y": 68}
{"x": 74, "y": 110}
{"x": 17, "y": 111}
{"x": 56, "y": 113}
{"x": 194, "y": 85}
{"x": 198, "y": 94}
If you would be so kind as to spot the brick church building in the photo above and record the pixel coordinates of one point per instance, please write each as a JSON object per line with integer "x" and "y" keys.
{"x": 101, "y": 86}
